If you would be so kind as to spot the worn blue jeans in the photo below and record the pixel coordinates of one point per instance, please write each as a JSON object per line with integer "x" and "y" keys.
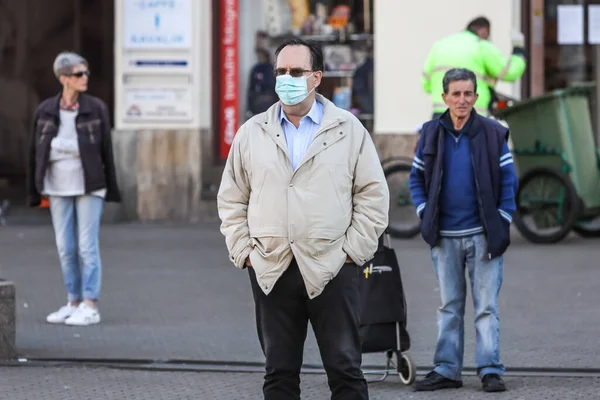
{"x": 450, "y": 259}
{"x": 76, "y": 222}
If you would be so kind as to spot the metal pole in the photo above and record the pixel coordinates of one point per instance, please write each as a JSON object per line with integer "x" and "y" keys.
{"x": 517, "y": 27}
{"x": 596, "y": 98}
{"x": 536, "y": 56}
{"x": 367, "y": 15}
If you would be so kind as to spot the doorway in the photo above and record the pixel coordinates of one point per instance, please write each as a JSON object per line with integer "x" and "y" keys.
{"x": 32, "y": 33}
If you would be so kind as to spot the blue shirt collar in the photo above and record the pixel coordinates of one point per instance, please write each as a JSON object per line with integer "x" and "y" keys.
{"x": 315, "y": 113}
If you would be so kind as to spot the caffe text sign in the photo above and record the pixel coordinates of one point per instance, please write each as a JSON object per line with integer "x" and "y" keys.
{"x": 157, "y": 24}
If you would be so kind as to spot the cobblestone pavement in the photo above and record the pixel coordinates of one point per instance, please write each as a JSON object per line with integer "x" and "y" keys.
{"x": 76, "y": 383}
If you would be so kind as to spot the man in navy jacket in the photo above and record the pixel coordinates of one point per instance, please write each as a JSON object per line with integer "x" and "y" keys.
{"x": 463, "y": 183}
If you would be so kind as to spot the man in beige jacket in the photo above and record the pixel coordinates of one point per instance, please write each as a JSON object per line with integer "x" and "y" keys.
{"x": 303, "y": 201}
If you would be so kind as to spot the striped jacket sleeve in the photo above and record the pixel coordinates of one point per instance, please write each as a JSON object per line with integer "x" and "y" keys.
{"x": 416, "y": 182}
{"x": 509, "y": 186}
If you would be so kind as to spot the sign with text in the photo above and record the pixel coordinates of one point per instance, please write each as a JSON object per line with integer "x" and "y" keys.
{"x": 228, "y": 104}
{"x": 158, "y": 60}
{"x": 158, "y": 103}
{"x": 157, "y": 24}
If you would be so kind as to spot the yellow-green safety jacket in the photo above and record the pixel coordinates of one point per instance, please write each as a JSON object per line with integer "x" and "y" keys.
{"x": 466, "y": 50}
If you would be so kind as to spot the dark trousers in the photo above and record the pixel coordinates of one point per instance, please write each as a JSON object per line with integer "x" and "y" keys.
{"x": 282, "y": 321}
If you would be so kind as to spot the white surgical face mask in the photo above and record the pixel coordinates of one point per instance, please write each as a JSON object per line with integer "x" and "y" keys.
{"x": 292, "y": 91}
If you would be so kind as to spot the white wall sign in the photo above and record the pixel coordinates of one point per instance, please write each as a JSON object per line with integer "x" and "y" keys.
{"x": 159, "y": 54}
{"x": 157, "y": 24}
{"x": 158, "y": 104}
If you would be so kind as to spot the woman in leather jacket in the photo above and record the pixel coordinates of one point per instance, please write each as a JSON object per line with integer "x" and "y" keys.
{"x": 71, "y": 163}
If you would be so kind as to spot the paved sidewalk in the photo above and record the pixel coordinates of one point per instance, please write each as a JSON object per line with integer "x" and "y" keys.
{"x": 76, "y": 383}
{"x": 170, "y": 292}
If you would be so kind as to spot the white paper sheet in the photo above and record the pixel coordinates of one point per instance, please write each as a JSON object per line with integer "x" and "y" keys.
{"x": 594, "y": 24}
{"x": 570, "y": 24}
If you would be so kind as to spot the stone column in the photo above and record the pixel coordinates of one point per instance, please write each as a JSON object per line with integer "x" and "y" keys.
{"x": 163, "y": 108}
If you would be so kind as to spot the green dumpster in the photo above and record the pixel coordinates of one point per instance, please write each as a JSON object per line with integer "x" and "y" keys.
{"x": 553, "y": 139}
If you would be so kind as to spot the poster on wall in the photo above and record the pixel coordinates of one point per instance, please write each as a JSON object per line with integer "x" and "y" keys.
{"x": 228, "y": 102}
{"x": 594, "y": 24}
{"x": 157, "y": 24}
{"x": 570, "y": 24}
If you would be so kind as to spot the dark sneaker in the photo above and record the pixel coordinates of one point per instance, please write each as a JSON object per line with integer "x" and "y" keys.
{"x": 493, "y": 383}
{"x": 434, "y": 381}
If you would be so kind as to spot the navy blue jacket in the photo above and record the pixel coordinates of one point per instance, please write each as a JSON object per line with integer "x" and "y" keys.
{"x": 494, "y": 176}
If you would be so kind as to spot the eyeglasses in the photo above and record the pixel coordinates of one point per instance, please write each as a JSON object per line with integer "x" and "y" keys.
{"x": 80, "y": 74}
{"x": 295, "y": 72}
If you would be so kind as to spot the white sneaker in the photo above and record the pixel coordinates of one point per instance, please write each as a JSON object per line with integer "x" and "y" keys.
{"x": 83, "y": 316}
{"x": 59, "y": 317}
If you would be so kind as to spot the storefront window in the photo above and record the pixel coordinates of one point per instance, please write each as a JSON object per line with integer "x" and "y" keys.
{"x": 566, "y": 64}
{"x": 344, "y": 30}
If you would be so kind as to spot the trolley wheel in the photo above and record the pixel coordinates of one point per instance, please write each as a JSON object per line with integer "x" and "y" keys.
{"x": 588, "y": 229}
{"x": 407, "y": 370}
{"x": 547, "y": 205}
{"x": 386, "y": 162}
{"x": 403, "y": 220}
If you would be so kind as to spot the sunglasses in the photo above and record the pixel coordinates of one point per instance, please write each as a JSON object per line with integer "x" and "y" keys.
{"x": 294, "y": 72}
{"x": 80, "y": 74}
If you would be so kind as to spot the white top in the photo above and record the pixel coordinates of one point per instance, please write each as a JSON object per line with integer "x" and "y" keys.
{"x": 64, "y": 175}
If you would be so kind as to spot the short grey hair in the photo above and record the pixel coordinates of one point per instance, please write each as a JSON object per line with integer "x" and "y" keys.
{"x": 66, "y": 61}
{"x": 459, "y": 74}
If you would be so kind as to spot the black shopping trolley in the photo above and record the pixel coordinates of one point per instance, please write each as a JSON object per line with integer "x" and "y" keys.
{"x": 383, "y": 313}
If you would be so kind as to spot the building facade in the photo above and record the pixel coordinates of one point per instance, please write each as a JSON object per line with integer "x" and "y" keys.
{"x": 182, "y": 75}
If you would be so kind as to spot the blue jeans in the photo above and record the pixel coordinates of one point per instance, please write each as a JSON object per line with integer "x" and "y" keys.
{"x": 450, "y": 258}
{"x": 76, "y": 222}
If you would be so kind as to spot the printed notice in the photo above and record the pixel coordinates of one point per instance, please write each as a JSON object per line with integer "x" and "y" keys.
{"x": 570, "y": 24}
{"x": 158, "y": 103}
{"x": 594, "y": 24}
